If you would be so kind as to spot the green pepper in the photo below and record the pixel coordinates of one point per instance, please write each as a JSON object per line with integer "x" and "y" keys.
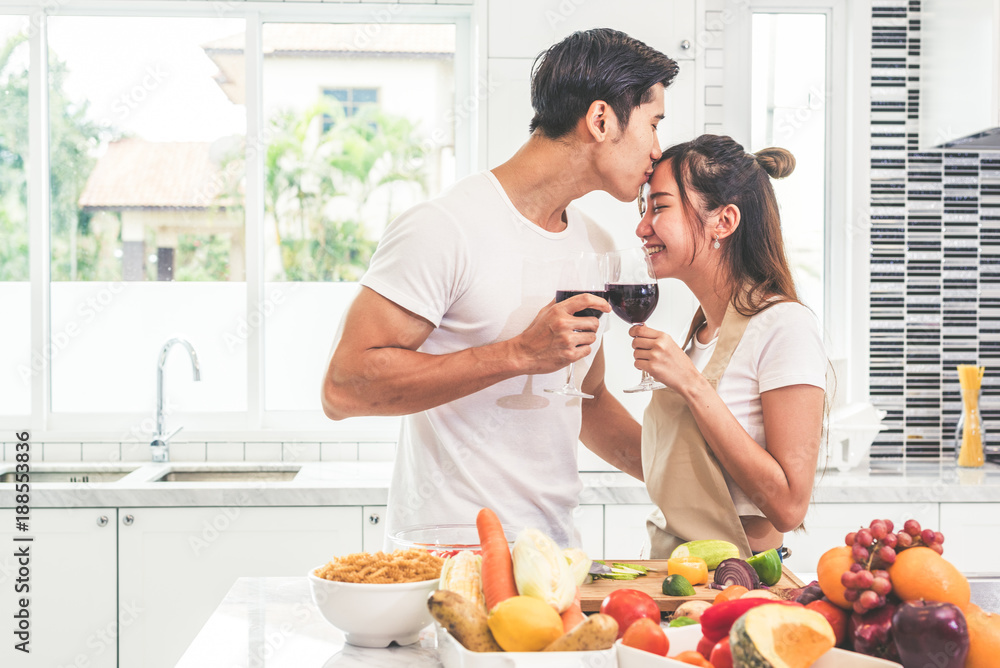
{"x": 768, "y": 566}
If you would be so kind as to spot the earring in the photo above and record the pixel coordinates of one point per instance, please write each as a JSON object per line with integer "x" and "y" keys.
{"x": 716, "y": 244}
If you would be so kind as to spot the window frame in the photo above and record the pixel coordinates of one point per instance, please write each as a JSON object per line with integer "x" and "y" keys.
{"x": 255, "y": 422}
{"x": 846, "y": 235}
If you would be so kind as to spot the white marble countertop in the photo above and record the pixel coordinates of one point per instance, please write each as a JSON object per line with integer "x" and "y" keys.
{"x": 273, "y": 623}
{"x": 367, "y": 483}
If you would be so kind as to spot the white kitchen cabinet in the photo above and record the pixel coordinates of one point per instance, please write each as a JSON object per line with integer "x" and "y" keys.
{"x": 73, "y": 592}
{"x": 971, "y": 541}
{"x": 625, "y": 530}
{"x": 828, "y": 523}
{"x": 525, "y": 28}
{"x": 589, "y": 521}
{"x": 373, "y": 528}
{"x": 176, "y": 564}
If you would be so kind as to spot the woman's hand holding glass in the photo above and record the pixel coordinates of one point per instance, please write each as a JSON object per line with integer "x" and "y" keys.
{"x": 633, "y": 294}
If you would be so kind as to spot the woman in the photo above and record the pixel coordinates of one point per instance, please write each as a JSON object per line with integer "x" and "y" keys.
{"x": 729, "y": 449}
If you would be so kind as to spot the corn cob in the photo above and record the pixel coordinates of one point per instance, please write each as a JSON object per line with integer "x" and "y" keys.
{"x": 462, "y": 574}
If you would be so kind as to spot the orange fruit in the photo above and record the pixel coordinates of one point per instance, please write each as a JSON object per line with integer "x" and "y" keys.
{"x": 984, "y": 638}
{"x": 834, "y": 563}
{"x": 920, "y": 572}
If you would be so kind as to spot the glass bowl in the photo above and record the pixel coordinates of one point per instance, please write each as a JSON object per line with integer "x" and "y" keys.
{"x": 443, "y": 540}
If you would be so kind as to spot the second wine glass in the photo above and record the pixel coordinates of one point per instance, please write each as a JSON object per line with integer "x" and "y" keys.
{"x": 581, "y": 273}
{"x": 633, "y": 294}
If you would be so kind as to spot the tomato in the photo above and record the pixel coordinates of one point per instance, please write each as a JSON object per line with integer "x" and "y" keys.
{"x": 694, "y": 658}
{"x": 705, "y": 647}
{"x": 647, "y": 635}
{"x": 628, "y": 605}
{"x": 722, "y": 656}
{"x": 838, "y": 618}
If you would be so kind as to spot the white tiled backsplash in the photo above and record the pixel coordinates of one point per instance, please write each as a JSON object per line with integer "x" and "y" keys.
{"x": 212, "y": 451}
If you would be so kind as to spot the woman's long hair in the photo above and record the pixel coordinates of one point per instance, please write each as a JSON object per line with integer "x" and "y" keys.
{"x": 753, "y": 257}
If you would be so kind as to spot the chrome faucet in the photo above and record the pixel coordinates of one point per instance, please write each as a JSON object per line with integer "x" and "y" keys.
{"x": 159, "y": 445}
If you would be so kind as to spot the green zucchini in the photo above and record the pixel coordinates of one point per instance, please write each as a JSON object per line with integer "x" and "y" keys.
{"x": 712, "y": 551}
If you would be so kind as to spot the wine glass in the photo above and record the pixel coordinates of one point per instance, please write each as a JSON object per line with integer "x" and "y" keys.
{"x": 581, "y": 273}
{"x": 633, "y": 293}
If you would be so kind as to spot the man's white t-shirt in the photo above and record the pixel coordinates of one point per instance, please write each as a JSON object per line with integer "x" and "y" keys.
{"x": 474, "y": 267}
{"x": 781, "y": 346}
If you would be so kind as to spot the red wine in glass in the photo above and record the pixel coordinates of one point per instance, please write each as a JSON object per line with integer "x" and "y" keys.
{"x": 633, "y": 303}
{"x": 632, "y": 294}
{"x": 562, "y": 295}
{"x": 581, "y": 273}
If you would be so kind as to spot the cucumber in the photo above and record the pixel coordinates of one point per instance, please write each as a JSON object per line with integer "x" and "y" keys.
{"x": 712, "y": 551}
{"x": 677, "y": 585}
{"x": 681, "y": 621}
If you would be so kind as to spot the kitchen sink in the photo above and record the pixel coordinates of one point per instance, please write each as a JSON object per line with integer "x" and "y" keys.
{"x": 91, "y": 474}
{"x": 227, "y": 475}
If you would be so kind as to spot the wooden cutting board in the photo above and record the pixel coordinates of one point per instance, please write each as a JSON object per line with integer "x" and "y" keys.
{"x": 592, "y": 594}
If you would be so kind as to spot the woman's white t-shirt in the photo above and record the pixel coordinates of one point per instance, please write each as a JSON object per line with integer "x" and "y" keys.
{"x": 781, "y": 346}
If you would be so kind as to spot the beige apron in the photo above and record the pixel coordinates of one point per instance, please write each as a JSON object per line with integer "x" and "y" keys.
{"x": 682, "y": 475}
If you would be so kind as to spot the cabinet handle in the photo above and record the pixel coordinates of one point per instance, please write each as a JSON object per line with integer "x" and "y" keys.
{"x": 128, "y": 520}
{"x": 374, "y": 518}
{"x": 102, "y": 521}
{"x": 685, "y": 44}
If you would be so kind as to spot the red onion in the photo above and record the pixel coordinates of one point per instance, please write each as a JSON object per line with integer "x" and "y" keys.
{"x": 736, "y": 572}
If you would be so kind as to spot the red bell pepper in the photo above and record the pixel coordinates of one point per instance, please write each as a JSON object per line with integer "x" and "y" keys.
{"x": 718, "y": 619}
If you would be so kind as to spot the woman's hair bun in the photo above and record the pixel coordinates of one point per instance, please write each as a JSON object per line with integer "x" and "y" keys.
{"x": 777, "y": 162}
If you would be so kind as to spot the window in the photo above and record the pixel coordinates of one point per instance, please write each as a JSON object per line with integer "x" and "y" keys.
{"x": 146, "y": 212}
{"x": 195, "y": 192}
{"x": 351, "y": 100}
{"x": 16, "y": 369}
{"x": 788, "y": 109}
{"x": 339, "y": 168}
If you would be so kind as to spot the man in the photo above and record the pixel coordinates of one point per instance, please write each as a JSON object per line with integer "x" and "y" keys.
{"x": 456, "y": 328}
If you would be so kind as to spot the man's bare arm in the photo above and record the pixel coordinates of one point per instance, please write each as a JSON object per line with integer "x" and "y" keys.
{"x": 375, "y": 368}
{"x": 608, "y": 429}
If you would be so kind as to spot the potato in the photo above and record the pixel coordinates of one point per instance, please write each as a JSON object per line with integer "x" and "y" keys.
{"x": 761, "y": 593}
{"x": 465, "y": 621}
{"x": 594, "y": 633}
{"x": 692, "y": 609}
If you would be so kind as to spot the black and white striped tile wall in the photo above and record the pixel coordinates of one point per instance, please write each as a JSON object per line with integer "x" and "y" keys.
{"x": 935, "y": 259}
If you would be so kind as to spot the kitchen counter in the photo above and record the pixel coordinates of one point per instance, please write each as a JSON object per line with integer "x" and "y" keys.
{"x": 367, "y": 483}
{"x": 273, "y": 623}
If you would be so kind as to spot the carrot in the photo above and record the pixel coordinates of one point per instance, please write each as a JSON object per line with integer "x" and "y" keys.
{"x": 498, "y": 567}
{"x": 573, "y": 615}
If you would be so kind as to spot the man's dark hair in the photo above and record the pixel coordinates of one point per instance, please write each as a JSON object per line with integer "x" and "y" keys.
{"x": 598, "y": 64}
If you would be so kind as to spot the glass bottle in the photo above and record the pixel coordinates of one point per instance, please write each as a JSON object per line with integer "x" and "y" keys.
{"x": 969, "y": 435}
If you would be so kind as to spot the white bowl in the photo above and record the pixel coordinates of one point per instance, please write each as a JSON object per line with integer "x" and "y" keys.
{"x": 374, "y": 615}
{"x": 453, "y": 655}
{"x": 685, "y": 638}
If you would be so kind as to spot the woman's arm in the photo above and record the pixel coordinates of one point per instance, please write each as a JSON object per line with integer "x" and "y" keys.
{"x": 778, "y": 480}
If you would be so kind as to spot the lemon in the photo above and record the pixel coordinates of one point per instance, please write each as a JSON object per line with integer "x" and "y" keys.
{"x": 524, "y": 624}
